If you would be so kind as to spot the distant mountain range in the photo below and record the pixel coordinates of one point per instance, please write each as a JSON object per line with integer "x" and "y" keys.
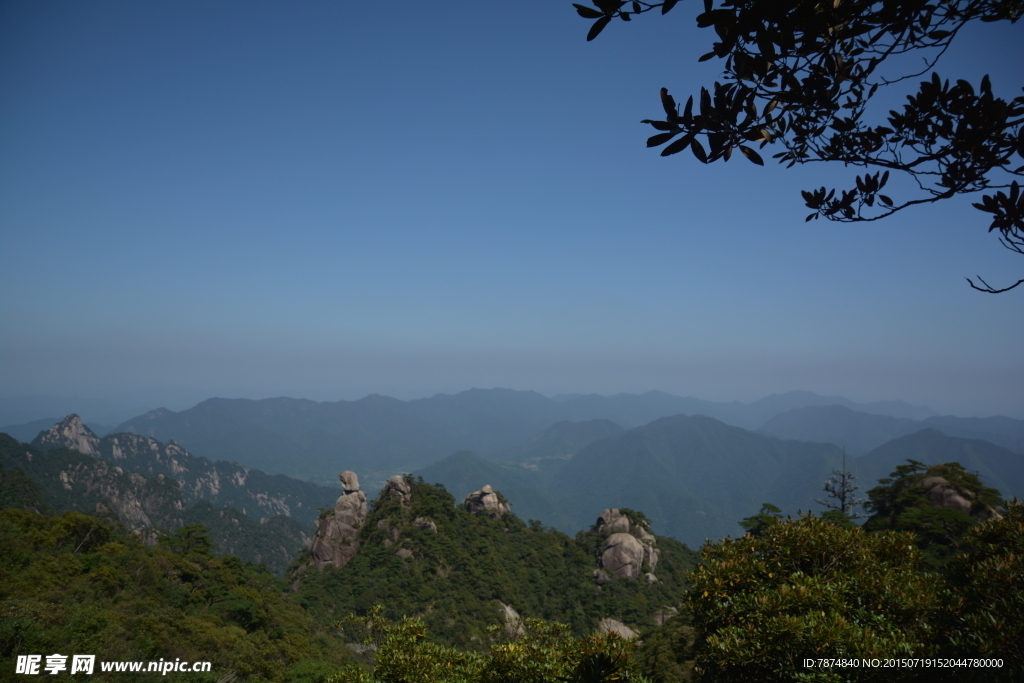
{"x": 860, "y": 432}
{"x": 381, "y": 436}
{"x": 696, "y": 477}
{"x": 693, "y": 474}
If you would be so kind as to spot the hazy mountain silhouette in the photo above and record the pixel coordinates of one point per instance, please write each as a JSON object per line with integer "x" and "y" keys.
{"x": 861, "y": 432}
{"x": 694, "y": 477}
{"x": 995, "y": 465}
{"x": 382, "y": 436}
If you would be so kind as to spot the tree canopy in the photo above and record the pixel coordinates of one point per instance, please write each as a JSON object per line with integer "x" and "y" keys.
{"x": 802, "y": 74}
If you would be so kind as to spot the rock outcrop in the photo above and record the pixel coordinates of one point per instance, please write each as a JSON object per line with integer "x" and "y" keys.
{"x": 424, "y": 523}
{"x": 611, "y": 521}
{"x": 942, "y": 493}
{"x": 397, "y": 486}
{"x": 255, "y": 493}
{"x": 71, "y": 433}
{"x": 95, "y": 486}
{"x": 485, "y": 501}
{"x": 513, "y": 622}
{"x": 337, "y": 530}
{"x": 663, "y": 614}
{"x": 609, "y": 625}
{"x": 628, "y": 547}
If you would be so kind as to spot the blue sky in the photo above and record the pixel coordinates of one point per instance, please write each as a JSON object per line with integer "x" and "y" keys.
{"x": 325, "y": 200}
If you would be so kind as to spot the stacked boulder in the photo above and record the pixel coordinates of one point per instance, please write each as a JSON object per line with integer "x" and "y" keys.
{"x": 336, "y": 530}
{"x": 626, "y": 549}
{"x": 486, "y": 501}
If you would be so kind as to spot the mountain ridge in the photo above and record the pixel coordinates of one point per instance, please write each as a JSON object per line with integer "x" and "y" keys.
{"x": 382, "y": 436}
{"x": 861, "y": 432}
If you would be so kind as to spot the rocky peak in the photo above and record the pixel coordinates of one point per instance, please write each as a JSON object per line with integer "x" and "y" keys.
{"x": 71, "y": 433}
{"x": 486, "y": 501}
{"x": 336, "y": 530}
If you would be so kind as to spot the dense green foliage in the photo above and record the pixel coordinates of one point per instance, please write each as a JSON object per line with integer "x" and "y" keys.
{"x": 456, "y": 576}
{"x": 543, "y": 652}
{"x": 72, "y": 584}
{"x": 665, "y": 654}
{"x": 986, "y": 608}
{"x": 808, "y": 588}
{"x": 17, "y": 491}
{"x": 762, "y": 605}
{"x": 274, "y": 541}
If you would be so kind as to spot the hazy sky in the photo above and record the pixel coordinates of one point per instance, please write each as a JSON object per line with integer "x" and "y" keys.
{"x": 324, "y": 200}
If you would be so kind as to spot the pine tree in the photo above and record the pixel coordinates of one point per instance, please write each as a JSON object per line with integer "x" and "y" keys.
{"x": 843, "y": 492}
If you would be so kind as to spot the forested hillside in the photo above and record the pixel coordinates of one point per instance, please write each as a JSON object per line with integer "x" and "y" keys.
{"x": 67, "y": 480}
{"x": 462, "y": 591}
{"x": 72, "y": 584}
{"x": 421, "y": 554}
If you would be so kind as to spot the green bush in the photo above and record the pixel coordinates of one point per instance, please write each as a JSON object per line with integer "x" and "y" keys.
{"x": 808, "y": 588}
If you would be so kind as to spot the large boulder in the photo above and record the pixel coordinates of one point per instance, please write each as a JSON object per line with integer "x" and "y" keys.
{"x": 622, "y": 556}
{"x": 351, "y": 509}
{"x": 424, "y": 523}
{"x": 398, "y": 487}
{"x": 609, "y": 625}
{"x": 349, "y": 481}
{"x": 485, "y": 501}
{"x": 943, "y": 494}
